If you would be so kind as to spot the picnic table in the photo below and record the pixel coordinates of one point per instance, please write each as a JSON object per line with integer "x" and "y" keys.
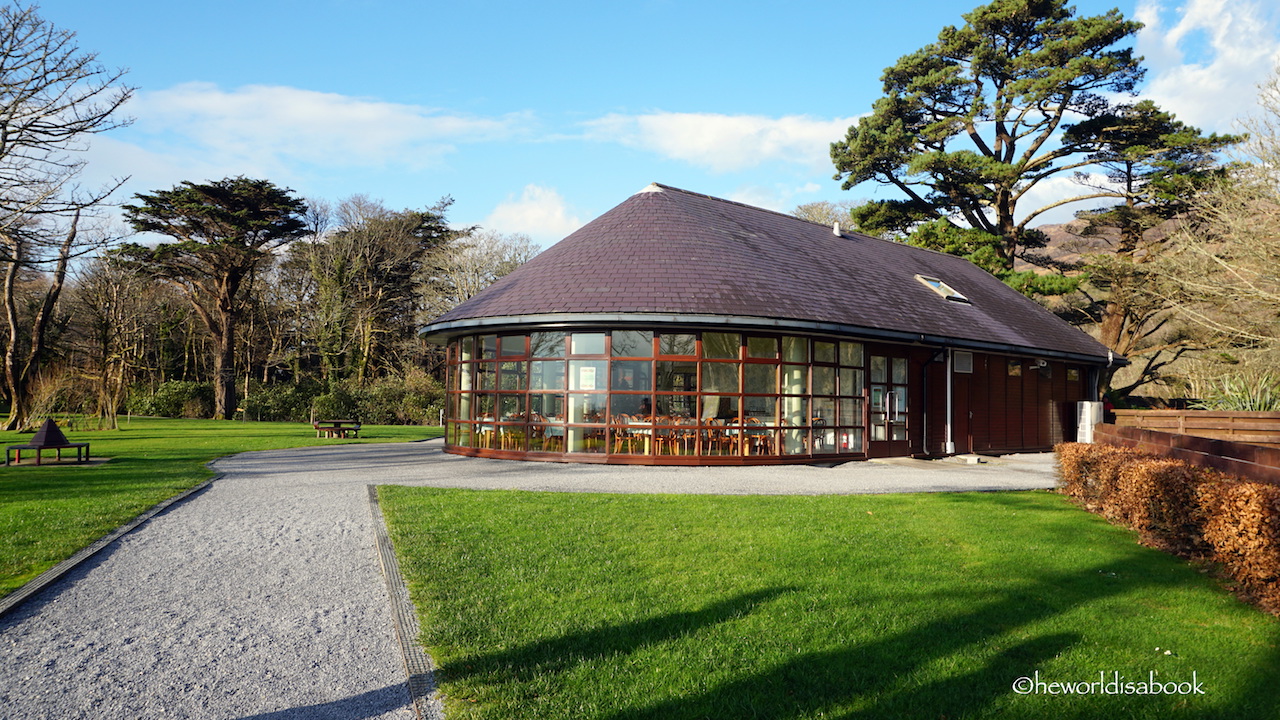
{"x": 337, "y": 428}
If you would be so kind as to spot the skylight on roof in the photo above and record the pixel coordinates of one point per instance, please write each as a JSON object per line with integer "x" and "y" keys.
{"x": 942, "y": 289}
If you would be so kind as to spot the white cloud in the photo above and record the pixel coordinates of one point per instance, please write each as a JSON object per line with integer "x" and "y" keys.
{"x": 538, "y": 212}
{"x": 1207, "y": 57}
{"x": 724, "y": 143}
{"x": 1054, "y": 189}
{"x": 779, "y": 198}
{"x": 266, "y": 128}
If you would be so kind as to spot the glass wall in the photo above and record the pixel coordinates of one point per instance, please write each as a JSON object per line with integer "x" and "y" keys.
{"x": 646, "y": 393}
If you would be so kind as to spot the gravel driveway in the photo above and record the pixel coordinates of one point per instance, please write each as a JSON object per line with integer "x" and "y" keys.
{"x": 262, "y": 596}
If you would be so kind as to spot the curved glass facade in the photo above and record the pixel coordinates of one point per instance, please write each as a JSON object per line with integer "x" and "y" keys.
{"x": 659, "y": 396}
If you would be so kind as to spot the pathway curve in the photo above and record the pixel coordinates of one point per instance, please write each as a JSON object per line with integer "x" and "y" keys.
{"x": 262, "y": 597}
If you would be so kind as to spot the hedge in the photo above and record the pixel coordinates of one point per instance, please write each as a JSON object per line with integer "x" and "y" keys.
{"x": 1197, "y": 513}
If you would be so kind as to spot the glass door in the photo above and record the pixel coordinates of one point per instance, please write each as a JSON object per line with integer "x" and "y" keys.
{"x": 889, "y": 402}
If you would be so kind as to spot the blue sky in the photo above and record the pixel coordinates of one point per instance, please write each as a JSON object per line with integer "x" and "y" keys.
{"x": 537, "y": 117}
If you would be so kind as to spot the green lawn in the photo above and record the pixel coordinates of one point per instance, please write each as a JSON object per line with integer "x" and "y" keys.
{"x": 543, "y": 605}
{"x": 47, "y": 513}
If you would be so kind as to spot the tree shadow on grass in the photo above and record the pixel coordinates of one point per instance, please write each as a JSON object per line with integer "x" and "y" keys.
{"x": 905, "y": 675}
{"x": 562, "y": 653}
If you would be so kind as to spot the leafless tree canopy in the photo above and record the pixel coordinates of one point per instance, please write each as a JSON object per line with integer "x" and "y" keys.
{"x": 1225, "y": 271}
{"x": 53, "y": 98}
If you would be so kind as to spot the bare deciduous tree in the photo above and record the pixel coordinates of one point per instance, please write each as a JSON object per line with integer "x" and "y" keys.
{"x": 1224, "y": 271}
{"x": 471, "y": 264}
{"x": 53, "y": 98}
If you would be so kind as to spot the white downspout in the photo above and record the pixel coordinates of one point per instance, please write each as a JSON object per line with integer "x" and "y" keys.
{"x": 949, "y": 446}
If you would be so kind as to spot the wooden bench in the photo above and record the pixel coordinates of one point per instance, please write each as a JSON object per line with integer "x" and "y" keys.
{"x": 48, "y": 437}
{"x": 59, "y": 448}
{"x": 336, "y": 428}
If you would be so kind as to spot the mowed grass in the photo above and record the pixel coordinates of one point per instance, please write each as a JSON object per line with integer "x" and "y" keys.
{"x": 47, "y": 513}
{"x": 541, "y": 605}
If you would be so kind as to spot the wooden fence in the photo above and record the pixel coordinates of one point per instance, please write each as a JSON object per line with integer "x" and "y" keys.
{"x": 1245, "y": 460}
{"x": 1255, "y": 428}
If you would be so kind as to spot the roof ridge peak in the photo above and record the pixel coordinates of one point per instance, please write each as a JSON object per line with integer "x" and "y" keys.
{"x": 659, "y": 187}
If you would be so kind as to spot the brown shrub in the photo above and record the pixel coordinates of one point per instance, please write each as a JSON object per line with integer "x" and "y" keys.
{"x": 1090, "y": 472}
{"x": 1157, "y": 498}
{"x": 1242, "y": 525}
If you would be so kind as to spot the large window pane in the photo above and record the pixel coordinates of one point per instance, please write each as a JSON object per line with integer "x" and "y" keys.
{"x": 795, "y": 379}
{"x": 586, "y": 408}
{"x": 631, "y": 375}
{"x": 586, "y": 375}
{"x": 676, "y": 406}
{"x": 720, "y": 407}
{"x": 546, "y": 375}
{"x": 795, "y": 411}
{"x": 547, "y": 345}
{"x": 632, "y": 343}
{"x": 677, "y": 376}
{"x": 760, "y": 379}
{"x": 824, "y": 380}
{"x": 628, "y": 404}
{"x": 721, "y": 345}
{"x": 488, "y": 347}
{"x": 546, "y": 407}
{"x": 795, "y": 349}
{"x": 763, "y": 409}
{"x": 850, "y": 440}
{"x": 485, "y": 373}
{"x": 824, "y": 352}
{"x": 879, "y": 369}
{"x": 762, "y": 347}
{"x": 511, "y": 376}
{"x": 824, "y": 411}
{"x": 511, "y": 407}
{"x": 795, "y": 442}
{"x": 462, "y": 438}
{"x": 851, "y": 382}
{"x": 851, "y": 411}
{"x": 586, "y": 344}
{"x": 512, "y": 345}
{"x": 512, "y": 437}
{"x": 851, "y": 353}
{"x": 676, "y": 344}
{"x": 900, "y": 370}
{"x": 631, "y": 439}
{"x": 586, "y": 440}
{"x": 546, "y": 438}
{"x": 720, "y": 377}
{"x": 468, "y": 351}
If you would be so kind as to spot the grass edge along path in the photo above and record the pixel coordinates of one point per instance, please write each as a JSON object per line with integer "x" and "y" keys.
{"x": 50, "y": 513}
{"x": 624, "y": 607}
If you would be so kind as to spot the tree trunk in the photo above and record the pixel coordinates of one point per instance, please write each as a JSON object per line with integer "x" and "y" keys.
{"x": 19, "y": 379}
{"x": 224, "y": 370}
{"x": 13, "y": 385}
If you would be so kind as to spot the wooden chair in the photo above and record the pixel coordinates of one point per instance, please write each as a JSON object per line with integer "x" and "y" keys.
{"x": 623, "y": 436}
{"x": 757, "y": 439}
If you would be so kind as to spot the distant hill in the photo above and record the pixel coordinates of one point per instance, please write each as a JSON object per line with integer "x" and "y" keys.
{"x": 1067, "y": 245}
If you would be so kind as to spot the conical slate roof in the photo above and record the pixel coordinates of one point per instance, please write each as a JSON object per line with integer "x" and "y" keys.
{"x": 49, "y": 435}
{"x": 667, "y": 252}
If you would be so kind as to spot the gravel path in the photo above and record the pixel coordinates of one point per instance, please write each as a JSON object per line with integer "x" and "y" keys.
{"x": 262, "y": 597}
